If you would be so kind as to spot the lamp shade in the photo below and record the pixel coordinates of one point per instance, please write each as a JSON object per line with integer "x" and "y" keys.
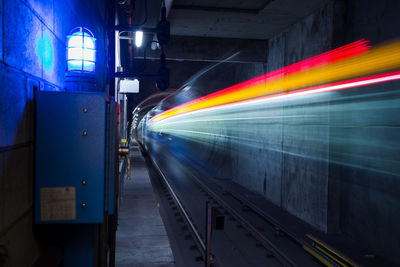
{"x": 81, "y": 50}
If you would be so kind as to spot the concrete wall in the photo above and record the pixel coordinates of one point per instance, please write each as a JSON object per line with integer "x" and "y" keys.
{"x": 32, "y": 55}
{"x": 361, "y": 202}
{"x": 370, "y": 201}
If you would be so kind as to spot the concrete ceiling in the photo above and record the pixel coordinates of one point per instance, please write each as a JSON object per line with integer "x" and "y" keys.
{"x": 253, "y": 19}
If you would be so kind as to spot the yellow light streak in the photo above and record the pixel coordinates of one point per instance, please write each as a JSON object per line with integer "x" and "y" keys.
{"x": 377, "y": 60}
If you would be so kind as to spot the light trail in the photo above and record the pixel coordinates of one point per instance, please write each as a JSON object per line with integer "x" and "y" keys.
{"x": 308, "y": 91}
{"x": 325, "y": 121}
{"x": 342, "y": 64}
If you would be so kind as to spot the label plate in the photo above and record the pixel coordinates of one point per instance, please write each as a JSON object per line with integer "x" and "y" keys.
{"x": 58, "y": 203}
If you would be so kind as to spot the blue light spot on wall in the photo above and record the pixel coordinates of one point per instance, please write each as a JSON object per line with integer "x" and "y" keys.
{"x": 48, "y": 52}
{"x": 45, "y": 51}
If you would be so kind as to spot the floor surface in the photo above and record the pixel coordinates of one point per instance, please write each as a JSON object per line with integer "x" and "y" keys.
{"x": 141, "y": 237}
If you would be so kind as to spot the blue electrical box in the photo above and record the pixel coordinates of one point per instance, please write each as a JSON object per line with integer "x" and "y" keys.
{"x": 74, "y": 168}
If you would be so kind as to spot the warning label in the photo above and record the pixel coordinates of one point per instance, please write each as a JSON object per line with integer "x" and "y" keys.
{"x": 58, "y": 203}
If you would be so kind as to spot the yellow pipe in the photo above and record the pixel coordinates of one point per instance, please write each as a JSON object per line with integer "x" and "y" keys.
{"x": 316, "y": 255}
{"x": 331, "y": 252}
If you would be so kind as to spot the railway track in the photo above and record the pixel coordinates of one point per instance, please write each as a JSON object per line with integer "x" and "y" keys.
{"x": 249, "y": 234}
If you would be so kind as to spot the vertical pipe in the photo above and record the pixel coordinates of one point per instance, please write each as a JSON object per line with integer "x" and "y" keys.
{"x": 125, "y": 117}
{"x": 111, "y": 43}
{"x": 208, "y": 234}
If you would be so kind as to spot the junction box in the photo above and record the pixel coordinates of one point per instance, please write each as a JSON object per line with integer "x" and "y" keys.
{"x": 76, "y": 174}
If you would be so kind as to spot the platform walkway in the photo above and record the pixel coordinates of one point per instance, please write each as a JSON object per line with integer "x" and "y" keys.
{"x": 141, "y": 237}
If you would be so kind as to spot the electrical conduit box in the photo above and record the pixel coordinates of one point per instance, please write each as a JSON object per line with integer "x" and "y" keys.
{"x": 70, "y": 157}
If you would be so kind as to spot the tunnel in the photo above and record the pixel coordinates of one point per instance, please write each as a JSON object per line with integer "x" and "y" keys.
{"x": 184, "y": 133}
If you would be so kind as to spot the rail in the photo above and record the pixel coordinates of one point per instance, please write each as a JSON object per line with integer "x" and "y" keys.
{"x": 193, "y": 229}
{"x": 319, "y": 250}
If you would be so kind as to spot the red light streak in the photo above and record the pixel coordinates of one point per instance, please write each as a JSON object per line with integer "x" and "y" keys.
{"x": 375, "y": 79}
{"x": 345, "y": 52}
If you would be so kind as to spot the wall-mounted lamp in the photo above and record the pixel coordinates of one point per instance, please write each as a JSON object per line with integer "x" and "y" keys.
{"x": 138, "y": 38}
{"x": 81, "y": 50}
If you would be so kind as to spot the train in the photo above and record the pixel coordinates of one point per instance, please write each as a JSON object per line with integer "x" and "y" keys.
{"x": 318, "y": 139}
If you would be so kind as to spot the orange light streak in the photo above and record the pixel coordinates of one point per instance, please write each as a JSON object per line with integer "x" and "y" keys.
{"x": 348, "y": 62}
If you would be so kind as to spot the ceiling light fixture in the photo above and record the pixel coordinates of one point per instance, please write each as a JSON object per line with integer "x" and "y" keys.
{"x": 138, "y": 38}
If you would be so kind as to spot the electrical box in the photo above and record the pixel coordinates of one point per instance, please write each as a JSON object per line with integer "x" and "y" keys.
{"x": 74, "y": 162}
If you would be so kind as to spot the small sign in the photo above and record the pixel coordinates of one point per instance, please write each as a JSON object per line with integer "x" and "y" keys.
{"x": 129, "y": 86}
{"x": 58, "y": 203}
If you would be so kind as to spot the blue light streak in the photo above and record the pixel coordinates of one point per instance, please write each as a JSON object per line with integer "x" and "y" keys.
{"x": 352, "y": 126}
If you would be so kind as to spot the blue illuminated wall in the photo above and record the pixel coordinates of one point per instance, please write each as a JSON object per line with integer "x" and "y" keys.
{"x": 32, "y": 55}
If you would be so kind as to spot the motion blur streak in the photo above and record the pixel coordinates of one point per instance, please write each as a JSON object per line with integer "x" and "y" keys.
{"x": 341, "y": 53}
{"x": 392, "y": 76}
{"x": 350, "y": 122}
{"x": 362, "y": 130}
{"x": 348, "y": 62}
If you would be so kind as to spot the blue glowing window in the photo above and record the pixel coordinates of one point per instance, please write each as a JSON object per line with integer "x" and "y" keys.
{"x": 81, "y": 51}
